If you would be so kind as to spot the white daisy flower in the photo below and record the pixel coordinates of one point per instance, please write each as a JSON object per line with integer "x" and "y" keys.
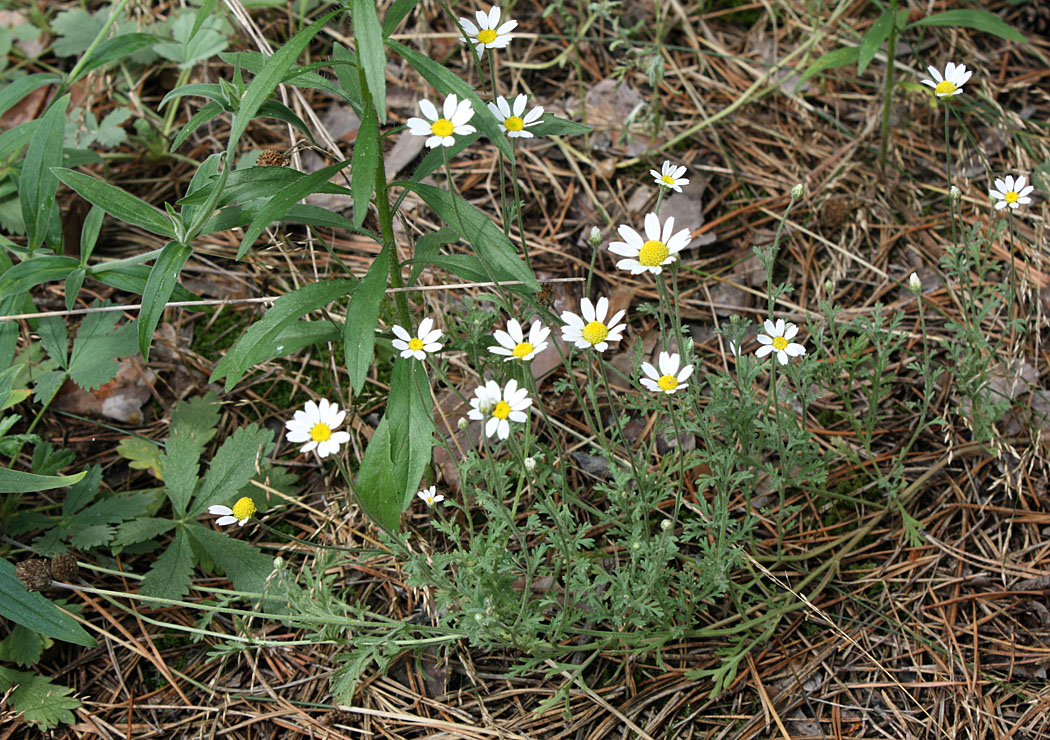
{"x": 669, "y": 379}
{"x": 513, "y": 345}
{"x": 424, "y": 343}
{"x": 778, "y": 338}
{"x": 670, "y": 177}
{"x": 440, "y": 128}
{"x": 498, "y": 408}
{"x": 241, "y": 512}
{"x": 431, "y": 496}
{"x": 316, "y": 426}
{"x": 488, "y": 33}
{"x": 510, "y": 118}
{"x": 952, "y": 81}
{"x": 589, "y": 329}
{"x": 659, "y": 248}
{"x": 1010, "y": 192}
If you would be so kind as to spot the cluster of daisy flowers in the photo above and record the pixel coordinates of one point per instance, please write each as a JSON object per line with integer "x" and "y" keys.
{"x": 1009, "y": 192}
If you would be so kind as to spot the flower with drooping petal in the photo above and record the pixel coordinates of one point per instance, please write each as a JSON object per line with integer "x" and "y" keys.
{"x": 510, "y": 116}
{"x": 424, "y": 343}
{"x": 952, "y": 81}
{"x": 659, "y": 248}
{"x": 315, "y": 425}
{"x": 431, "y": 496}
{"x": 241, "y": 512}
{"x": 670, "y": 176}
{"x": 488, "y": 33}
{"x": 513, "y": 345}
{"x": 589, "y": 329}
{"x": 777, "y": 339}
{"x": 1010, "y": 192}
{"x": 443, "y": 129}
{"x": 669, "y": 379}
{"x": 497, "y": 408}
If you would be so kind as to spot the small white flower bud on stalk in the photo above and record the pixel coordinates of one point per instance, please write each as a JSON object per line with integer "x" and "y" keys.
{"x": 595, "y": 237}
{"x": 914, "y": 283}
{"x": 798, "y": 191}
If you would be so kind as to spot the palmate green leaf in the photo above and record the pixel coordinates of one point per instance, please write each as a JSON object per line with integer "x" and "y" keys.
{"x": 36, "y": 183}
{"x": 41, "y": 703}
{"x": 197, "y": 418}
{"x": 279, "y": 204}
{"x": 92, "y": 362}
{"x": 411, "y": 414}
{"x": 375, "y": 490}
{"x": 172, "y": 572}
{"x": 140, "y": 530}
{"x": 142, "y": 454}
{"x": 982, "y": 20}
{"x": 269, "y": 77}
{"x": 242, "y": 563}
{"x": 359, "y": 333}
{"x": 32, "y": 610}
{"x": 263, "y": 338}
{"x": 368, "y": 35}
{"x": 116, "y": 202}
{"x": 17, "y": 481}
{"x": 490, "y": 244}
{"x": 162, "y": 280}
{"x": 191, "y": 46}
{"x": 240, "y": 458}
{"x": 363, "y": 169}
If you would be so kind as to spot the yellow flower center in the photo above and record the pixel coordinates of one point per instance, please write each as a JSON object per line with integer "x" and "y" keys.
{"x": 245, "y": 507}
{"x": 523, "y": 350}
{"x": 321, "y": 432}
{"x": 1011, "y": 197}
{"x": 668, "y": 180}
{"x": 945, "y": 88}
{"x": 415, "y": 344}
{"x": 653, "y": 253}
{"x": 595, "y": 332}
{"x": 487, "y": 37}
{"x": 502, "y": 410}
{"x": 779, "y": 343}
{"x": 514, "y": 123}
{"x": 442, "y": 127}
{"x": 667, "y": 382}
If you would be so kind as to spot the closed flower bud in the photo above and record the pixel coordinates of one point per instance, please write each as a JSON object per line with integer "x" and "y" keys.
{"x": 954, "y": 193}
{"x": 665, "y": 524}
{"x": 595, "y": 237}
{"x": 798, "y": 191}
{"x": 530, "y": 464}
{"x": 829, "y": 287}
{"x": 462, "y": 423}
{"x": 914, "y": 283}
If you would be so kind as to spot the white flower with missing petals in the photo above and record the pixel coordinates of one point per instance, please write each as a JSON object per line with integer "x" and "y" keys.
{"x": 315, "y": 425}
{"x": 669, "y": 379}
{"x": 777, "y": 339}
{"x": 443, "y": 129}
{"x": 424, "y": 343}
{"x": 513, "y": 345}
{"x": 488, "y": 33}
{"x": 497, "y": 408}
{"x": 1010, "y": 192}
{"x": 670, "y": 176}
{"x": 589, "y": 329}
{"x": 660, "y": 247}
{"x": 241, "y": 512}
{"x": 510, "y": 116}
{"x": 430, "y": 496}
{"x": 952, "y": 81}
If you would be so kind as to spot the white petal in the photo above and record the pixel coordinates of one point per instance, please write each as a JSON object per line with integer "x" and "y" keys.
{"x": 429, "y": 111}
{"x": 224, "y": 521}
{"x": 220, "y": 510}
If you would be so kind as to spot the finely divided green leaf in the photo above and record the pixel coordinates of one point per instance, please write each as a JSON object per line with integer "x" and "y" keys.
{"x": 162, "y": 280}
{"x": 262, "y": 340}
{"x": 32, "y": 610}
{"x": 37, "y": 184}
{"x": 116, "y": 202}
{"x": 982, "y": 20}
{"x": 359, "y": 333}
{"x": 491, "y": 244}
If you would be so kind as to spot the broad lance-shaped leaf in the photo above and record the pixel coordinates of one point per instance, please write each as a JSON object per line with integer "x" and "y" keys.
{"x": 36, "y": 183}
{"x": 15, "y": 90}
{"x": 161, "y": 282}
{"x": 262, "y": 340}
{"x": 368, "y": 37}
{"x": 375, "y": 490}
{"x": 32, "y": 610}
{"x": 363, "y": 169}
{"x": 116, "y": 202}
{"x": 33, "y": 272}
{"x": 490, "y": 244}
{"x": 359, "y": 333}
{"x": 982, "y": 20}
{"x": 234, "y": 465}
{"x": 411, "y": 414}
{"x": 17, "y": 481}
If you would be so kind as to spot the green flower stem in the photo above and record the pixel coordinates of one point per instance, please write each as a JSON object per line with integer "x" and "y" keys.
{"x": 621, "y": 439}
{"x": 138, "y": 259}
{"x": 517, "y": 201}
{"x": 386, "y": 227}
{"x": 103, "y": 32}
{"x": 888, "y": 91}
{"x": 782, "y": 461}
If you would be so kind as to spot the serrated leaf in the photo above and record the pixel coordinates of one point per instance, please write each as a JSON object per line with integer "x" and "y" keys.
{"x": 190, "y": 46}
{"x": 490, "y": 244}
{"x": 982, "y": 20}
{"x": 238, "y": 460}
{"x": 37, "y": 185}
{"x": 116, "y": 202}
{"x": 76, "y": 30}
{"x": 54, "y": 338}
{"x": 243, "y": 564}
{"x": 92, "y": 363}
{"x": 46, "y": 385}
{"x": 359, "y": 332}
{"x": 172, "y": 572}
{"x": 161, "y": 282}
{"x": 262, "y": 339}
{"x": 181, "y": 470}
{"x": 48, "y": 460}
{"x": 23, "y": 646}
{"x": 115, "y": 509}
{"x": 34, "y": 611}
{"x": 140, "y": 530}
{"x": 94, "y": 535}
{"x": 110, "y": 131}
{"x": 197, "y": 418}
{"x": 81, "y": 494}
{"x": 43, "y": 704}
{"x": 142, "y": 454}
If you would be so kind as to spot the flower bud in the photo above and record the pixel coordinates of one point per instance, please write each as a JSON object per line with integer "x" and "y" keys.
{"x": 954, "y": 193}
{"x": 798, "y": 191}
{"x": 665, "y": 524}
{"x": 595, "y": 237}
{"x": 914, "y": 283}
{"x": 829, "y": 287}
{"x": 530, "y": 464}
{"x": 463, "y": 423}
